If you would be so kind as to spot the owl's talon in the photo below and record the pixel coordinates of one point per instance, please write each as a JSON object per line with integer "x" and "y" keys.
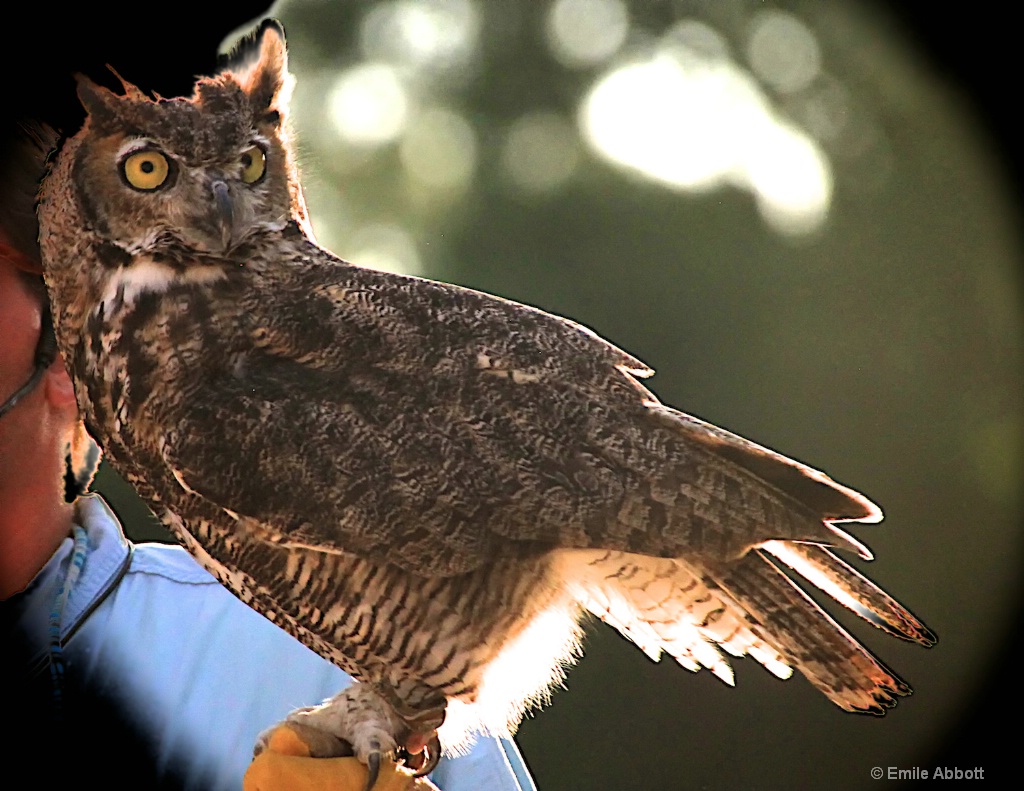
{"x": 372, "y": 766}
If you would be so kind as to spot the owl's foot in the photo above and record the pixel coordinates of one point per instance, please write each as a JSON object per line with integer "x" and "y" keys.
{"x": 371, "y": 723}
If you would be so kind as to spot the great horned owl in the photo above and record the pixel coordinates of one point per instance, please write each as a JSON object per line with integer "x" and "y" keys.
{"x": 427, "y": 485}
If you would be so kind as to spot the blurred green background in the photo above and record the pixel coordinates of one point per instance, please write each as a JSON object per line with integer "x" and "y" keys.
{"x": 783, "y": 209}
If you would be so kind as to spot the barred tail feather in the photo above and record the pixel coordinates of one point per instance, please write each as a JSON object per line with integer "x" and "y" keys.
{"x": 819, "y": 566}
{"x": 807, "y": 637}
{"x": 700, "y": 612}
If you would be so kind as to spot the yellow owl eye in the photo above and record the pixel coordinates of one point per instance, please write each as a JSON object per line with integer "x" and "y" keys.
{"x": 146, "y": 170}
{"x": 254, "y": 164}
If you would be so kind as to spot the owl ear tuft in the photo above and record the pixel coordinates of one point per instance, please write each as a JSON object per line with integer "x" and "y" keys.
{"x": 100, "y": 103}
{"x": 259, "y": 63}
{"x": 131, "y": 91}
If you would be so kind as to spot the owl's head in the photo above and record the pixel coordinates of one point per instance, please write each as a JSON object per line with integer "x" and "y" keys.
{"x": 200, "y": 174}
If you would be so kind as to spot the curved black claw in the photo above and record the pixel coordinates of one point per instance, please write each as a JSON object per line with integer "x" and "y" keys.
{"x": 431, "y": 757}
{"x": 372, "y": 767}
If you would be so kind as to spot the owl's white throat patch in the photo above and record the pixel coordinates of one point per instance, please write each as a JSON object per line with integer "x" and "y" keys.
{"x": 146, "y": 276}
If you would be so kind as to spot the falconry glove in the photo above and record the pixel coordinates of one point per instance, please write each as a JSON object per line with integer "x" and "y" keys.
{"x": 286, "y": 764}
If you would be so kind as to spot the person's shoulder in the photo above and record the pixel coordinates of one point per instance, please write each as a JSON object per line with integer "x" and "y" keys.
{"x": 169, "y": 561}
{"x": 110, "y": 548}
{"x": 154, "y": 592}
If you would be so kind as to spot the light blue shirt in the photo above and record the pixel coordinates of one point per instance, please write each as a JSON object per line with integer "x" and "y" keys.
{"x": 195, "y": 666}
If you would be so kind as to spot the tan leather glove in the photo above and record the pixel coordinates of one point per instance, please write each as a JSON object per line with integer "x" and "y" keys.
{"x": 286, "y": 765}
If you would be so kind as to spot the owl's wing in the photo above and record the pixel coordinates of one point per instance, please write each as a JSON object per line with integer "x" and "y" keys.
{"x": 373, "y": 413}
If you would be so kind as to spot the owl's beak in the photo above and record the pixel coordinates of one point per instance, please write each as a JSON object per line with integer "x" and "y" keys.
{"x": 225, "y": 212}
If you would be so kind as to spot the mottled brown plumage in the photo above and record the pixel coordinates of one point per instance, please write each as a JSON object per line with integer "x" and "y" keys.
{"x": 425, "y": 484}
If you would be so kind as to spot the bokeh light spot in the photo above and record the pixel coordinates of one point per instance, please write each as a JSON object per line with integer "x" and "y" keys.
{"x": 680, "y": 125}
{"x": 690, "y": 118}
{"x": 422, "y": 34}
{"x": 791, "y": 178}
{"x": 782, "y": 51}
{"x": 540, "y": 152}
{"x": 439, "y": 149}
{"x": 369, "y": 104}
{"x": 690, "y": 40}
{"x": 586, "y": 32}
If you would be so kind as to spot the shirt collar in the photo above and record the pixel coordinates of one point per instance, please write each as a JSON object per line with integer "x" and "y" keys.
{"x": 108, "y": 556}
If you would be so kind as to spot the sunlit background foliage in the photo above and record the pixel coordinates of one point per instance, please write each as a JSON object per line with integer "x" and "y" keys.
{"x": 781, "y": 208}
